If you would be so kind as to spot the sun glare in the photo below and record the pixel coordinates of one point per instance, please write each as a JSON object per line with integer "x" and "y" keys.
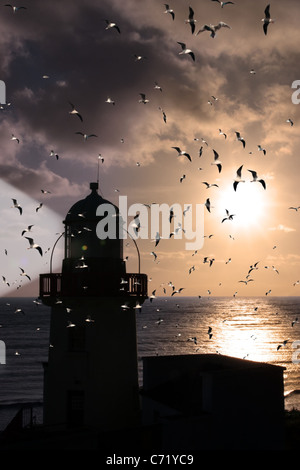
{"x": 247, "y": 204}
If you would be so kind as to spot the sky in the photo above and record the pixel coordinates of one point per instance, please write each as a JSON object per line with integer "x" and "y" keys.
{"x": 55, "y": 53}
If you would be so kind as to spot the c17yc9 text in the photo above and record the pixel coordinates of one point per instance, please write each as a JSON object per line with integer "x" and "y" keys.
{"x": 155, "y": 459}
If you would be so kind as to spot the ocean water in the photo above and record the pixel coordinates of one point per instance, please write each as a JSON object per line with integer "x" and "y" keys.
{"x": 250, "y": 328}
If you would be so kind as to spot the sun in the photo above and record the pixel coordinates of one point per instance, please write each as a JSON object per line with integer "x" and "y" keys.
{"x": 247, "y": 204}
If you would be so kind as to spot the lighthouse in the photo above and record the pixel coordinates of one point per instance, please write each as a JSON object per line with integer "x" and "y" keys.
{"x": 91, "y": 377}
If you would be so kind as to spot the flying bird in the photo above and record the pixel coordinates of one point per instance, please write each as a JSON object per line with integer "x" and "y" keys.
{"x": 39, "y": 207}
{"x": 17, "y": 206}
{"x": 209, "y": 185}
{"x": 213, "y": 28}
{"x": 222, "y": 133}
{"x": 143, "y": 99}
{"x": 86, "y": 136}
{"x": 13, "y": 137}
{"x": 238, "y": 178}
{"x": 24, "y": 274}
{"x": 241, "y": 139}
{"x": 28, "y": 229}
{"x": 191, "y": 20}
{"x": 295, "y": 208}
{"x": 177, "y": 291}
{"x": 157, "y": 87}
{"x": 254, "y": 175}
{"x": 267, "y": 19}
{"x": 182, "y": 152}
{"x": 110, "y": 25}
{"x": 229, "y": 216}
{"x": 290, "y": 121}
{"x": 15, "y": 9}
{"x": 74, "y": 111}
{"x": 217, "y": 161}
{"x": 54, "y": 154}
{"x": 223, "y": 3}
{"x": 169, "y": 10}
{"x": 262, "y": 149}
{"x": 184, "y": 50}
{"x": 34, "y": 245}
{"x": 163, "y": 113}
{"x": 110, "y": 101}
{"x": 207, "y": 204}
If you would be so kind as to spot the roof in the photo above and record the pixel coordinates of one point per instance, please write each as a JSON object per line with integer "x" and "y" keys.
{"x": 87, "y": 207}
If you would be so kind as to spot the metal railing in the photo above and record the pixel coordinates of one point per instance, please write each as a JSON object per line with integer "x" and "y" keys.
{"x": 131, "y": 284}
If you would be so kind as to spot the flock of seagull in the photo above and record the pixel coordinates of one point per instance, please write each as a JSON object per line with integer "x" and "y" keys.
{"x": 184, "y": 50}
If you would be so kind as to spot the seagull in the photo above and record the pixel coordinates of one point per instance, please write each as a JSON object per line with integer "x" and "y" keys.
{"x": 17, "y": 206}
{"x": 290, "y": 121}
{"x": 182, "y": 178}
{"x": 28, "y": 229}
{"x": 223, "y": 3}
{"x": 15, "y": 9}
{"x": 154, "y": 254}
{"x": 272, "y": 267}
{"x": 163, "y": 113}
{"x": 207, "y": 204}
{"x": 157, "y": 87}
{"x": 241, "y": 139}
{"x": 157, "y": 239}
{"x": 109, "y": 100}
{"x": 74, "y": 111}
{"x": 139, "y": 57}
{"x": 209, "y": 185}
{"x": 20, "y": 310}
{"x": 217, "y": 161}
{"x": 246, "y": 282}
{"x": 252, "y": 72}
{"x": 34, "y": 245}
{"x": 267, "y": 19}
{"x": 262, "y": 149}
{"x": 110, "y": 25}
{"x": 213, "y": 28}
{"x": 282, "y": 344}
{"x": 229, "y": 216}
{"x": 222, "y": 133}
{"x": 15, "y": 138}
{"x": 191, "y": 20}
{"x": 238, "y": 178}
{"x": 54, "y": 154}
{"x": 39, "y": 207}
{"x": 45, "y": 191}
{"x": 177, "y": 291}
{"x": 295, "y": 208}
{"x": 24, "y": 274}
{"x": 254, "y": 175}
{"x": 185, "y": 50}
{"x": 169, "y": 10}
{"x": 143, "y": 98}
{"x": 86, "y": 136}
{"x": 182, "y": 152}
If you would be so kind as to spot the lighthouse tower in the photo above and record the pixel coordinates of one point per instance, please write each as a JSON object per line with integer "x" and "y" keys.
{"x": 91, "y": 377}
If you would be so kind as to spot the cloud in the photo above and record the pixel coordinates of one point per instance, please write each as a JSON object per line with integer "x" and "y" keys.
{"x": 282, "y": 228}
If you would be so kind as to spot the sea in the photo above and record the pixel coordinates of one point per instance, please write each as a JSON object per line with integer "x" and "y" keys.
{"x": 264, "y": 329}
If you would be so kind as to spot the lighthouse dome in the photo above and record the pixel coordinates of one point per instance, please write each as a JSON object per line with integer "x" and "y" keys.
{"x": 85, "y": 209}
{"x": 81, "y": 222}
